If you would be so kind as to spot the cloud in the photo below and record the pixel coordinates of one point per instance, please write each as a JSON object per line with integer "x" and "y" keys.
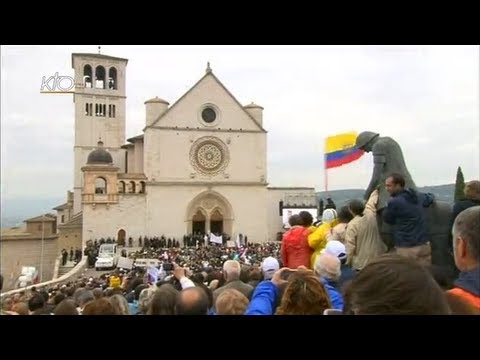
{"x": 425, "y": 97}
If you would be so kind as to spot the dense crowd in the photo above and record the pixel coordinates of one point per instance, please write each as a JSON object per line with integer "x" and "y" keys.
{"x": 339, "y": 266}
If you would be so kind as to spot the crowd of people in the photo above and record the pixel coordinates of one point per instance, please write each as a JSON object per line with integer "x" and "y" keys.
{"x": 340, "y": 266}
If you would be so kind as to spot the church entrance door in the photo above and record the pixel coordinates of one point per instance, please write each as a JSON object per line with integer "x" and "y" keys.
{"x": 121, "y": 237}
{"x": 216, "y": 222}
{"x": 198, "y": 223}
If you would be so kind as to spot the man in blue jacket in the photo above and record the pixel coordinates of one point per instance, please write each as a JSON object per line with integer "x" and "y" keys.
{"x": 405, "y": 212}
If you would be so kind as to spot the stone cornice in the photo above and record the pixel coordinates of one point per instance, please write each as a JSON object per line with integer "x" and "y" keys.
{"x": 207, "y": 183}
{"x": 210, "y": 130}
{"x": 99, "y": 96}
{"x": 110, "y": 148}
{"x": 100, "y": 168}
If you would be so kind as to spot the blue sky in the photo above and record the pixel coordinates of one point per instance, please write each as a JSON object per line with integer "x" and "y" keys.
{"x": 425, "y": 97}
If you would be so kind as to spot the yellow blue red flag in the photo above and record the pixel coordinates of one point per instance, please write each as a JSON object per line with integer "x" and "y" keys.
{"x": 340, "y": 150}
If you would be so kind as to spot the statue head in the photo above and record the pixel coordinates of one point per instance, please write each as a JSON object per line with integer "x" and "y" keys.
{"x": 365, "y": 140}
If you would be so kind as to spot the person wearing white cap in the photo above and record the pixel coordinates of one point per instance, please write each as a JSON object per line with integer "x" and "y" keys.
{"x": 328, "y": 268}
{"x": 318, "y": 239}
{"x": 337, "y": 249}
{"x": 269, "y": 266}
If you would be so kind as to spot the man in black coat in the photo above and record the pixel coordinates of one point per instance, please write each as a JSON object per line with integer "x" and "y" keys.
{"x": 405, "y": 213}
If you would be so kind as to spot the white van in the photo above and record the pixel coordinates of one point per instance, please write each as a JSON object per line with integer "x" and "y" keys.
{"x": 107, "y": 257}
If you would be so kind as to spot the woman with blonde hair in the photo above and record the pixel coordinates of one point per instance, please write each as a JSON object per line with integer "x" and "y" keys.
{"x": 304, "y": 295}
{"x": 120, "y": 305}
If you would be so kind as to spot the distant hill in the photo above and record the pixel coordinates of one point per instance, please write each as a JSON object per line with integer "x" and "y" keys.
{"x": 341, "y": 197}
{"x": 15, "y": 210}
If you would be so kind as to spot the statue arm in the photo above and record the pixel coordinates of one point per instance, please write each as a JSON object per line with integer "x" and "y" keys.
{"x": 379, "y": 164}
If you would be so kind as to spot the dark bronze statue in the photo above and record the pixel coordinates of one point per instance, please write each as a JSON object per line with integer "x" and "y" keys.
{"x": 388, "y": 159}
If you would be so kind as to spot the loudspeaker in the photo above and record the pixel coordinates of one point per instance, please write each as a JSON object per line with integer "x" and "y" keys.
{"x": 280, "y": 208}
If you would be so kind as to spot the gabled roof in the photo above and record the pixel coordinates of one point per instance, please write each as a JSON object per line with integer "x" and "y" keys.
{"x": 138, "y": 137}
{"x": 42, "y": 218}
{"x": 209, "y": 73}
{"x": 63, "y": 206}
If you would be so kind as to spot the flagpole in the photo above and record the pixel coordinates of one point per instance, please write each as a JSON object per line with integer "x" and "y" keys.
{"x": 325, "y": 170}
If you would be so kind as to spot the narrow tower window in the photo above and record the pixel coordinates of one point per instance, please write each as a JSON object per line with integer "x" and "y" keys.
{"x": 100, "y": 77}
{"x": 112, "y": 79}
{"x": 87, "y": 76}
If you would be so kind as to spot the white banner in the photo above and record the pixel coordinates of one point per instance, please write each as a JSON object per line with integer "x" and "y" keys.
{"x": 216, "y": 239}
{"x": 125, "y": 263}
{"x": 287, "y": 212}
{"x": 146, "y": 262}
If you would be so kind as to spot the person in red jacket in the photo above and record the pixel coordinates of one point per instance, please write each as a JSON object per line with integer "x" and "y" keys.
{"x": 295, "y": 250}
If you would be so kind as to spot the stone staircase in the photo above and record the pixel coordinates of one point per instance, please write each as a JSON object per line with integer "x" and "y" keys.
{"x": 62, "y": 270}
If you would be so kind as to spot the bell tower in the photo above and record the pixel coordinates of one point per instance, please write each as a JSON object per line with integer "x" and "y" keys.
{"x": 99, "y": 111}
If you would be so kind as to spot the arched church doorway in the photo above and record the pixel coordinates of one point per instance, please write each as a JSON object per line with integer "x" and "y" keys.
{"x": 198, "y": 223}
{"x": 207, "y": 212}
{"x": 121, "y": 237}
{"x": 216, "y": 222}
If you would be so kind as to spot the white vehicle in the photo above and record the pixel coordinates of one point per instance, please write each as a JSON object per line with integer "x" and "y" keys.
{"x": 107, "y": 257}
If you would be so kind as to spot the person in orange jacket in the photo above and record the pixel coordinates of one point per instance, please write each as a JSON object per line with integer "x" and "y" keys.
{"x": 295, "y": 249}
{"x": 466, "y": 251}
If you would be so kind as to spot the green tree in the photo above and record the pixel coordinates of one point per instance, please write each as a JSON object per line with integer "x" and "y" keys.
{"x": 459, "y": 185}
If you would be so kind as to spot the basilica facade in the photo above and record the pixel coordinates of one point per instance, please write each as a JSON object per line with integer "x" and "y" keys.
{"x": 198, "y": 165}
